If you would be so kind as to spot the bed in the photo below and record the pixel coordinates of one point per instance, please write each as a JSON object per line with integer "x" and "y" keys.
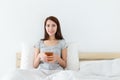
{"x": 82, "y": 66}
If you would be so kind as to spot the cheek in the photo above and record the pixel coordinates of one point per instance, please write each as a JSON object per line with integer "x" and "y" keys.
{"x": 55, "y": 29}
{"x": 46, "y": 29}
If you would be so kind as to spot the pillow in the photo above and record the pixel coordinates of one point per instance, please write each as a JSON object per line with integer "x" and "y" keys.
{"x": 99, "y": 67}
{"x": 27, "y": 56}
{"x": 72, "y": 57}
{"x": 116, "y": 67}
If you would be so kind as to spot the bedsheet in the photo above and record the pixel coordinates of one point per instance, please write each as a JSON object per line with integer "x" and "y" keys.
{"x": 56, "y": 75}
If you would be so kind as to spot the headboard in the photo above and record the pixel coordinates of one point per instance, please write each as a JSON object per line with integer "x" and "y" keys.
{"x": 98, "y": 55}
{"x": 83, "y": 56}
{"x": 18, "y": 59}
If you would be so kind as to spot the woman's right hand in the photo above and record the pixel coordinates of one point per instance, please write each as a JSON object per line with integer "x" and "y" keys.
{"x": 43, "y": 57}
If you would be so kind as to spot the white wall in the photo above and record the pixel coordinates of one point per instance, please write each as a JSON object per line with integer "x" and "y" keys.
{"x": 94, "y": 24}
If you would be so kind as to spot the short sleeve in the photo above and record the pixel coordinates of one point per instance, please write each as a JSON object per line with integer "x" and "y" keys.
{"x": 37, "y": 44}
{"x": 63, "y": 44}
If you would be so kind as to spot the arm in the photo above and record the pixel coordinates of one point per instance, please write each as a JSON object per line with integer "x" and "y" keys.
{"x": 38, "y": 57}
{"x": 36, "y": 61}
{"x": 63, "y": 61}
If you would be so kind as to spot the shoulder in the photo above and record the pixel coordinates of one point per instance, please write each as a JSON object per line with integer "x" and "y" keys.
{"x": 38, "y": 43}
{"x": 63, "y": 43}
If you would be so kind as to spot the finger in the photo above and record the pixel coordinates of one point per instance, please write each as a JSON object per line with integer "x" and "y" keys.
{"x": 51, "y": 61}
{"x": 50, "y": 57}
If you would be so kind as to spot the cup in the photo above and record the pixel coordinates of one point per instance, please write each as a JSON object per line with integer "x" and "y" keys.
{"x": 49, "y": 53}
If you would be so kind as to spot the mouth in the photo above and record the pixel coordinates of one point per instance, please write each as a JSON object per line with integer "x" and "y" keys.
{"x": 50, "y": 32}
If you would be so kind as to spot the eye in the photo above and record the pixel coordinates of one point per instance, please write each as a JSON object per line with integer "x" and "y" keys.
{"x": 53, "y": 25}
{"x": 47, "y": 25}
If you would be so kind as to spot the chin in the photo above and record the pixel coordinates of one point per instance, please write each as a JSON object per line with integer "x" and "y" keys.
{"x": 51, "y": 34}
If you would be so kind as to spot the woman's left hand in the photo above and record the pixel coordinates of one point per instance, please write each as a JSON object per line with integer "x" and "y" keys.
{"x": 55, "y": 58}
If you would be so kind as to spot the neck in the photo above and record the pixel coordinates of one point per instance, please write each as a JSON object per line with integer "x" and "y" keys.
{"x": 52, "y": 38}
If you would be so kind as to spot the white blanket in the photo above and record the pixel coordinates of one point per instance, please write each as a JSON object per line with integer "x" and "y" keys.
{"x": 55, "y": 75}
{"x": 35, "y": 74}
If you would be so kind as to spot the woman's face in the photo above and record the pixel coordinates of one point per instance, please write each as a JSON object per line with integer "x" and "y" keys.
{"x": 51, "y": 27}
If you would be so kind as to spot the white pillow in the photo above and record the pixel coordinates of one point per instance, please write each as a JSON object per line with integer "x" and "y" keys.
{"x": 28, "y": 51}
{"x": 27, "y": 56}
{"x": 116, "y": 67}
{"x": 72, "y": 57}
{"x": 99, "y": 67}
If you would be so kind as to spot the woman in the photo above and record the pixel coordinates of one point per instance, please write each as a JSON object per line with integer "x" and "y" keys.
{"x": 53, "y": 43}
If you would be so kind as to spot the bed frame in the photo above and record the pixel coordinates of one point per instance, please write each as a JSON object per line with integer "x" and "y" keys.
{"x": 18, "y": 59}
{"x": 98, "y": 55}
{"x": 83, "y": 56}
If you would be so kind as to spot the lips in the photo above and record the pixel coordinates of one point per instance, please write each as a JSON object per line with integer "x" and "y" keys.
{"x": 50, "y": 32}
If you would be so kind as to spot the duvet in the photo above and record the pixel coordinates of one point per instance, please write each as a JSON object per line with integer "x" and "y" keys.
{"x": 56, "y": 75}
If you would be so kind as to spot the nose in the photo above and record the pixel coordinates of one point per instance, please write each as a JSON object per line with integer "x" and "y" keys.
{"x": 50, "y": 28}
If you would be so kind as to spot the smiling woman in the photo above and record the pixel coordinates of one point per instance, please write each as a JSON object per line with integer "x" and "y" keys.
{"x": 51, "y": 27}
{"x": 52, "y": 42}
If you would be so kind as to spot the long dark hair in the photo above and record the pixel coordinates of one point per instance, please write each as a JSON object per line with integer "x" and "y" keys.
{"x": 58, "y": 34}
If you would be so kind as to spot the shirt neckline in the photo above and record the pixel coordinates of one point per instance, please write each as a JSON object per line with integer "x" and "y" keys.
{"x": 52, "y": 45}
